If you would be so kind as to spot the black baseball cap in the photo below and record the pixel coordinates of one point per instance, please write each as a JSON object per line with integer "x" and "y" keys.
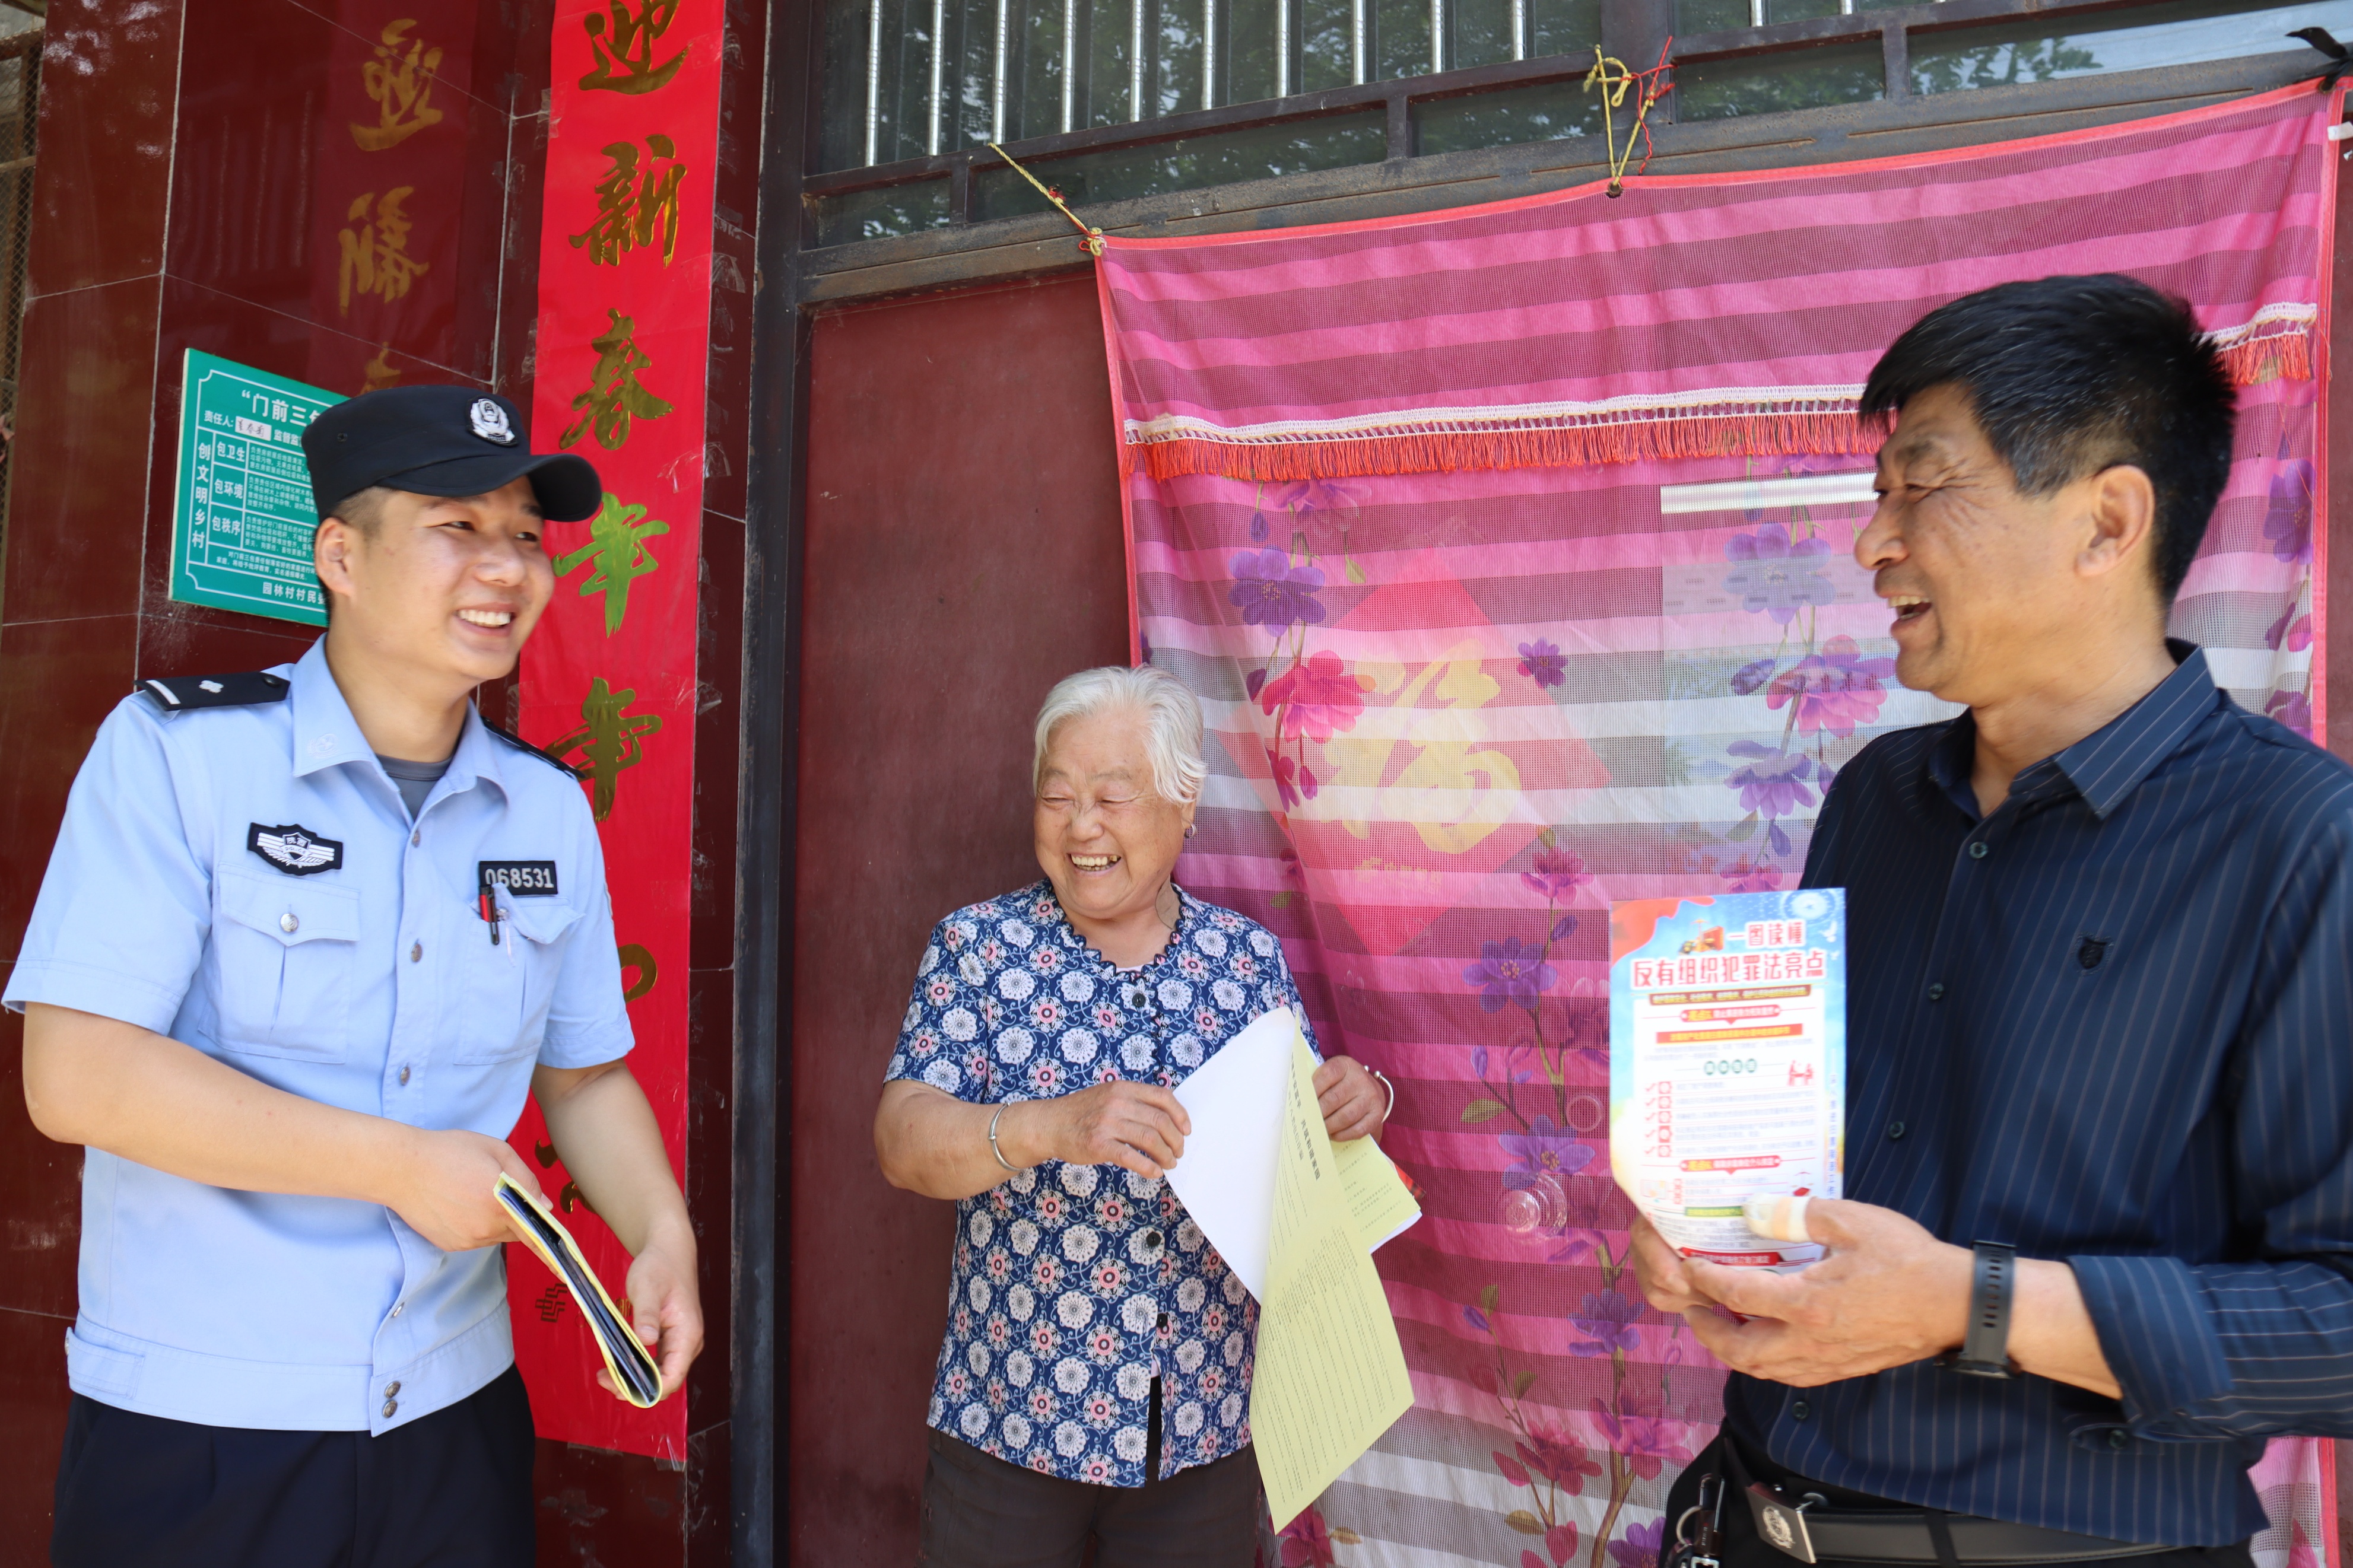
{"x": 440, "y": 441}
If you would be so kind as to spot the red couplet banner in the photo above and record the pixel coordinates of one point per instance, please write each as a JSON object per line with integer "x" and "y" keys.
{"x": 608, "y": 680}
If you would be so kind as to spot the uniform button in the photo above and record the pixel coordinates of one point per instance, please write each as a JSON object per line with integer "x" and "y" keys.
{"x": 418, "y": 836}
{"x": 287, "y": 923}
{"x": 1800, "y": 1410}
{"x": 416, "y": 951}
{"x": 2118, "y": 1438}
{"x": 390, "y": 1389}
{"x": 1894, "y": 1130}
{"x": 1979, "y": 850}
{"x": 389, "y": 1407}
{"x": 403, "y": 1075}
{"x": 1935, "y": 990}
{"x": 396, "y": 1306}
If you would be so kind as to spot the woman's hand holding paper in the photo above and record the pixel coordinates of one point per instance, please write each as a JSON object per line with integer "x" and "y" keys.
{"x": 1353, "y": 1103}
{"x": 1139, "y": 1127}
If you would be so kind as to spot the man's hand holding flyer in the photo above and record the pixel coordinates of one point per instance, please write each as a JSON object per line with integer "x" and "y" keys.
{"x": 1727, "y": 1067}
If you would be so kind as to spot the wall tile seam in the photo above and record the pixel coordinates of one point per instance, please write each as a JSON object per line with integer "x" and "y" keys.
{"x": 454, "y": 372}
{"x": 156, "y": 360}
{"x": 31, "y": 621}
{"x": 36, "y": 1312}
{"x": 33, "y": 298}
{"x": 371, "y": 42}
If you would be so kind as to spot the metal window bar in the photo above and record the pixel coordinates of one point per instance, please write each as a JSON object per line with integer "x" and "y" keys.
{"x": 1209, "y": 53}
{"x": 873, "y": 79}
{"x": 939, "y": 53}
{"x": 1136, "y": 62}
{"x": 1357, "y": 39}
{"x": 997, "y": 77}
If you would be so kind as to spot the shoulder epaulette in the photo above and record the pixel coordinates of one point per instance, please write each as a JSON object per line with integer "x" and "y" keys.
{"x": 178, "y": 693}
{"x": 550, "y": 758}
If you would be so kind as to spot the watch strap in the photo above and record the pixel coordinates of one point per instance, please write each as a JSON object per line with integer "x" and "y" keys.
{"x": 1993, "y": 1284}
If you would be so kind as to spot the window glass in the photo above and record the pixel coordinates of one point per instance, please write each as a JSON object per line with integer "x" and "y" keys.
{"x": 1567, "y": 27}
{"x": 882, "y": 215}
{"x": 1710, "y": 16}
{"x": 1329, "y": 45}
{"x": 2181, "y": 32}
{"x": 1399, "y": 45}
{"x": 1504, "y": 119}
{"x": 1787, "y": 78}
{"x": 1482, "y": 33}
{"x": 1798, "y": 10}
{"x": 1188, "y": 163}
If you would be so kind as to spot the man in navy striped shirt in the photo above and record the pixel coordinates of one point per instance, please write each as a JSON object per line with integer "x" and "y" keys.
{"x": 2100, "y": 1009}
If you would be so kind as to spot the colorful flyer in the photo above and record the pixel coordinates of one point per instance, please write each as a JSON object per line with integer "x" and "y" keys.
{"x": 1727, "y": 1062}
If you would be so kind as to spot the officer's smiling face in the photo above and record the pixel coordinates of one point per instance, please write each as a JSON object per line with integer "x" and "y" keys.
{"x": 449, "y": 585}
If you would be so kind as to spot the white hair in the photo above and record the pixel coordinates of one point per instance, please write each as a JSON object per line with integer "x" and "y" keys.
{"x": 1171, "y": 714}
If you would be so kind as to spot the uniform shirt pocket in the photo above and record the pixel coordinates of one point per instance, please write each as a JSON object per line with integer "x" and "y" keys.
{"x": 288, "y": 951}
{"x": 507, "y": 987}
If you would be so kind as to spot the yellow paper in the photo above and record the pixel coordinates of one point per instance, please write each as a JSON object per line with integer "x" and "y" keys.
{"x": 1330, "y": 1375}
{"x": 1379, "y": 1204}
{"x": 635, "y": 1375}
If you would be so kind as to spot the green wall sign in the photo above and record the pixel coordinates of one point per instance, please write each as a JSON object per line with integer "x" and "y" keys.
{"x": 243, "y": 517}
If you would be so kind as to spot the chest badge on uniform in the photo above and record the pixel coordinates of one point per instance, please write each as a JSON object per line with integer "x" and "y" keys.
{"x": 294, "y": 849}
{"x": 517, "y": 879}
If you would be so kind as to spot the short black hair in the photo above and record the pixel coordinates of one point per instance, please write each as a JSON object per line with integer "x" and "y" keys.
{"x": 2071, "y": 375}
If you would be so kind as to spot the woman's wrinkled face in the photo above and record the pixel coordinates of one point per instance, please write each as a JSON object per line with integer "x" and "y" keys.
{"x": 1106, "y": 838}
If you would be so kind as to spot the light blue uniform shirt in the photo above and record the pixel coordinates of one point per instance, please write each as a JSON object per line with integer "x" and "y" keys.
{"x": 177, "y": 900}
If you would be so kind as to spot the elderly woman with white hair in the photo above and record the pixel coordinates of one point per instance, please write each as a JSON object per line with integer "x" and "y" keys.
{"x": 1095, "y": 1376}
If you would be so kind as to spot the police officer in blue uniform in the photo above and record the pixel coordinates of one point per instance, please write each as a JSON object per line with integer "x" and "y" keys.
{"x": 308, "y": 937}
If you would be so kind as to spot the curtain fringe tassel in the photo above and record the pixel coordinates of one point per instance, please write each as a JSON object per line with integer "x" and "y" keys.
{"x": 1721, "y": 432}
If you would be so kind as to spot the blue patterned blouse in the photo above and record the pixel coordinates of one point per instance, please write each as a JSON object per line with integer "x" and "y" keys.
{"x": 1074, "y": 1285}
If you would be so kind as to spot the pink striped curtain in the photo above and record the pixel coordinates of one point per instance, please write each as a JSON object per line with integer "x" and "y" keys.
{"x": 1508, "y": 551}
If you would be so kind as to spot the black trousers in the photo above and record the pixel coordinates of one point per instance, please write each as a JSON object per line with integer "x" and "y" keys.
{"x": 981, "y": 1512}
{"x": 1744, "y": 1549}
{"x": 451, "y": 1489}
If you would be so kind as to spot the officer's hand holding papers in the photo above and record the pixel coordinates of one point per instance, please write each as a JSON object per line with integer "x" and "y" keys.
{"x": 1296, "y": 1217}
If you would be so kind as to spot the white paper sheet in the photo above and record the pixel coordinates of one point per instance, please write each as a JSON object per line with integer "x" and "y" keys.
{"x": 1226, "y": 1179}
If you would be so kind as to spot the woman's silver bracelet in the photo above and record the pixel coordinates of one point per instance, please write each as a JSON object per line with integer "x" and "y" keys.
{"x": 1000, "y": 1153}
{"x": 1386, "y": 1085}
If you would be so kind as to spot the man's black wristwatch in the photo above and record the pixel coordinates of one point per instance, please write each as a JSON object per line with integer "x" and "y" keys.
{"x": 1986, "y": 1352}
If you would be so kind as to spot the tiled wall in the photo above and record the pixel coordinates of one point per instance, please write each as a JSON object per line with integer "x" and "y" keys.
{"x": 197, "y": 174}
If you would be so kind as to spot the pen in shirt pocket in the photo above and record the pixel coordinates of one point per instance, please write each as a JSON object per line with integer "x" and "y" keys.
{"x": 494, "y": 917}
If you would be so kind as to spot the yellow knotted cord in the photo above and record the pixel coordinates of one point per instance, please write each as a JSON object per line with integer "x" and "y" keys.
{"x": 1091, "y": 239}
{"x": 1610, "y": 99}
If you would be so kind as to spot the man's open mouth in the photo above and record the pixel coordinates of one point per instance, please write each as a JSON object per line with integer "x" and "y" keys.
{"x": 1908, "y": 606}
{"x": 490, "y": 619}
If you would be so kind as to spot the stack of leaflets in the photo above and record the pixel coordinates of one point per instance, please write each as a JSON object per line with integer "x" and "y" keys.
{"x": 1727, "y": 1063}
{"x": 633, "y": 1370}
